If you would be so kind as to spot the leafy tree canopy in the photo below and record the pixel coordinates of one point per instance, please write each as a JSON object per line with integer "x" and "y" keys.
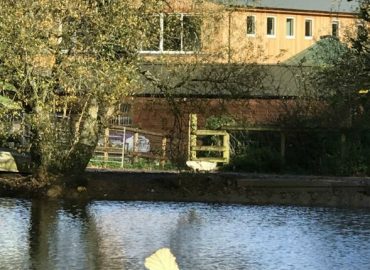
{"x": 68, "y": 63}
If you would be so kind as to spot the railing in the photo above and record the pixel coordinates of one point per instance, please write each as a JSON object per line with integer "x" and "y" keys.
{"x": 222, "y": 150}
{"x": 121, "y": 144}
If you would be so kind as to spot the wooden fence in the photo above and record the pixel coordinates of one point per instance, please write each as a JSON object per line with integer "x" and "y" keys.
{"x": 194, "y": 148}
{"x": 121, "y": 144}
{"x": 284, "y": 132}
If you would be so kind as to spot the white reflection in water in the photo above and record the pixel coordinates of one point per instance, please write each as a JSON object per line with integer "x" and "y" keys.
{"x": 130, "y": 232}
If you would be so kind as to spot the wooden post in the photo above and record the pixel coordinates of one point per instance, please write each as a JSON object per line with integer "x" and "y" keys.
{"x": 123, "y": 147}
{"x": 135, "y": 147}
{"x": 226, "y": 145}
{"x": 282, "y": 147}
{"x": 193, "y": 125}
{"x": 106, "y": 144}
{"x": 163, "y": 158}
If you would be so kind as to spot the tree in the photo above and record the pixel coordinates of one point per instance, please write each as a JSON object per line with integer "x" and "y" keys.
{"x": 344, "y": 80}
{"x": 68, "y": 63}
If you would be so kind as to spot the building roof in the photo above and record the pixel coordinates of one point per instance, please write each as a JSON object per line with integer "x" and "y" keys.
{"x": 304, "y": 5}
{"x": 323, "y": 52}
{"x": 222, "y": 80}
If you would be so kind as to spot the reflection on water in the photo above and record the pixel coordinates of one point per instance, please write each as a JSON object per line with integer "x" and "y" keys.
{"x": 120, "y": 235}
{"x": 14, "y": 227}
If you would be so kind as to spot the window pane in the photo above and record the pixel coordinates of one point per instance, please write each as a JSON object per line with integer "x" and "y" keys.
{"x": 271, "y": 26}
{"x": 152, "y": 31}
{"x": 290, "y": 27}
{"x": 335, "y": 29}
{"x": 125, "y": 108}
{"x": 172, "y": 32}
{"x": 362, "y": 33}
{"x": 308, "y": 28}
{"x": 191, "y": 33}
{"x": 251, "y": 25}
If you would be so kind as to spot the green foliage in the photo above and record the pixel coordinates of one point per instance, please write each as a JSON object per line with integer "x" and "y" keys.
{"x": 67, "y": 64}
{"x": 255, "y": 152}
{"x": 316, "y": 152}
{"x": 356, "y": 158}
{"x": 216, "y": 122}
{"x": 257, "y": 159}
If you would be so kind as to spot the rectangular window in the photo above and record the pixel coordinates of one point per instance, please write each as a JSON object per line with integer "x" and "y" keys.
{"x": 172, "y": 33}
{"x": 362, "y": 33}
{"x": 191, "y": 33}
{"x": 308, "y": 28}
{"x": 152, "y": 28}
{"x": 271, "y": 26}
{"x": 122, "y": 116}
{"x": 290, "y": 27}
{"x": 251, "y": 25}
{"x": 335, "y": 28}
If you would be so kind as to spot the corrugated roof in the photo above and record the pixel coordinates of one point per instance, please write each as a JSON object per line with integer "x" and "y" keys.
{"x": 309, "y": 5}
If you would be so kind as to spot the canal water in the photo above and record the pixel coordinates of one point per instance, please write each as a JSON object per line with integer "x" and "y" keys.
{"x": 120, "y": 235}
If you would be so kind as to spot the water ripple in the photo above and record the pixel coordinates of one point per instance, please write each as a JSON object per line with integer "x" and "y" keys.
{"x": 120, "y": 235}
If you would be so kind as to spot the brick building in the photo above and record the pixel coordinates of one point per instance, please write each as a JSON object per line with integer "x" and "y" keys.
{"x": 237, "y": 58}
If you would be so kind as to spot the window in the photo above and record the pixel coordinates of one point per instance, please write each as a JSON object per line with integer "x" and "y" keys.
{"x": 191, "y": 33}
{"x": 172, "y": 28}
{"x": 271, "y": 26}
{"x": 362, "y": 33}
{"x": 335, "y": 28}
{"x": 153, "y": 33}
{"x": 290, "y": 27}
{"x": 308, "y": 28}
{"x": 251, "y": 25}
{"x": 123, "y": 116}
{"x": 172, "y": 33}
{"x": 125, "y": 108}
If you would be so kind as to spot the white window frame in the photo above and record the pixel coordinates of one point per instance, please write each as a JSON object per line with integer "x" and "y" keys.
{"x": 336, "y": 21}
{"x": 311, "y": 36}
{"x": 255, "y": 26}
{"x": 275, "y": 26}
{"x": 161, "y": 37}
{"x": 294, "y": 28}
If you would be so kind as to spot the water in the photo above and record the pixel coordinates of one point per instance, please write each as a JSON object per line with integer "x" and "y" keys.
{"x": 120, "y": 235}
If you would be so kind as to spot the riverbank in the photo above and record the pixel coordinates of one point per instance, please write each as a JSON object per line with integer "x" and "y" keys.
{"x": 220, "y": 187}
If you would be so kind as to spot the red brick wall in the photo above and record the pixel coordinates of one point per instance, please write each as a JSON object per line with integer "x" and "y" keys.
{"x": 158, "y": 114}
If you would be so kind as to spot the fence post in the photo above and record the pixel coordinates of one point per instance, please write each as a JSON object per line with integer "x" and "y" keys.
{"x": 106, "y": 144}
{"x": 164, "y": 144}
{"x": 135, "y": 147}
{"x": 226, "y": 145}
{"x": 123, "y": 146}
{"x": 193, "y": 123}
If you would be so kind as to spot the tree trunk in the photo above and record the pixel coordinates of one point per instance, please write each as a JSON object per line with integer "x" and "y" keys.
{"x": 57, "y": 153}
{"x": 85, "y": 142}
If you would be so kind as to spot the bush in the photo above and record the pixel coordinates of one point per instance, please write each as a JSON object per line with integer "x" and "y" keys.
{"x": 257, "y": 160}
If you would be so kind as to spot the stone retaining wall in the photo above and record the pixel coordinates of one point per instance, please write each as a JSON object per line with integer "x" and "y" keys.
{"x": 229, "y": 188}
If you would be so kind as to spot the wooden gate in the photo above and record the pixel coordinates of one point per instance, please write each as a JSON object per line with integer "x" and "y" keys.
{"x": 194, "y": 148}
